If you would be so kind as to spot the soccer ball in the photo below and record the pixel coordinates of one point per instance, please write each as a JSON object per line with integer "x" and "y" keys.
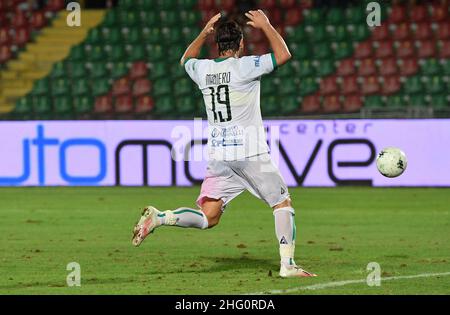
{"x": 391, "y": 162}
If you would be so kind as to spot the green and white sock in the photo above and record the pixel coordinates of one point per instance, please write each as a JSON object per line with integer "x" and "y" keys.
{"x": 184, "y": 217}
{"x": 285, "y": 231}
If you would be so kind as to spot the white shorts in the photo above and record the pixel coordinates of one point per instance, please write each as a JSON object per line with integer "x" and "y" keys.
{"x": 225, "y": 180}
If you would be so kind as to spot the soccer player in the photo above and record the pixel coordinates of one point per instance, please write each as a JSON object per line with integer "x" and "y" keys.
{"x": 238, "y": 153}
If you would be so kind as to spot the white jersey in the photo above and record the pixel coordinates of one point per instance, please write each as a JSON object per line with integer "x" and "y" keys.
{"x": 231, "y": 90}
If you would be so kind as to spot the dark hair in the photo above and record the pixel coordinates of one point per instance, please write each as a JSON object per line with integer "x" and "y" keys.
{"x": 228, "y": 35}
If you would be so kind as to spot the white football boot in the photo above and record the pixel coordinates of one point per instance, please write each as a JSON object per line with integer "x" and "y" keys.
{"x": 146, "y": 225}
{"x": 290, "y": 271}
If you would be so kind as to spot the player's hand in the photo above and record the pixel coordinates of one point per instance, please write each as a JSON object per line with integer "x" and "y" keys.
{"x": 257, "y": 19}
{"x": 209, "y": 27}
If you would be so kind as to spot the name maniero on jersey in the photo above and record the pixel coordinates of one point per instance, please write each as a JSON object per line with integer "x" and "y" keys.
{"x": 231, "y": 92}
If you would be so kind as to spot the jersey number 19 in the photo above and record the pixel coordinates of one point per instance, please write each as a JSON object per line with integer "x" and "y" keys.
{"x": 218, "y": 115}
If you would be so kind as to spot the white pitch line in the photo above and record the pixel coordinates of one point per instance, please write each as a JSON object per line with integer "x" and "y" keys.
{"x": 345, "y": 282}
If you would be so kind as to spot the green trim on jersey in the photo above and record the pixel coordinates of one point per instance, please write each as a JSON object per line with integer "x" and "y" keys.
{"x": 221, "y": 59}
{"x": 186, "y": 60}
{"x": 274, "y": 61}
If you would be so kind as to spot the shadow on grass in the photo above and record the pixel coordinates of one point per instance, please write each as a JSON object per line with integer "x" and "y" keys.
{"x": 222, "y": 264}
{"x": 239, "y": 263}
{"x": 218, "y": 265}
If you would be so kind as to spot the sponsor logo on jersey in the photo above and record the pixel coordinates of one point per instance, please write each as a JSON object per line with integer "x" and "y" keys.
{"x": 215, "y": 132}
{"x": 227, "y": 143}
{"x": 257, "y": 61}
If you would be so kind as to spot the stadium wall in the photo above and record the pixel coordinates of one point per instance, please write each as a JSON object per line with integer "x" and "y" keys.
{"x": 153, "y": 153}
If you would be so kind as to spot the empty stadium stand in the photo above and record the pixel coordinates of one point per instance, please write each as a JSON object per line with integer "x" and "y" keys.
{"x": 123, "y": 62}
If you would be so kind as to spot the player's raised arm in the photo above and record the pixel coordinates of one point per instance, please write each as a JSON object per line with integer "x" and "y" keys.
{"x": 259, "y": 20}
{"x": 193, "y": 49}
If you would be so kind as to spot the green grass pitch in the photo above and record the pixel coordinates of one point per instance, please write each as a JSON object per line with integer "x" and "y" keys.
{"x": 339, "y": 231}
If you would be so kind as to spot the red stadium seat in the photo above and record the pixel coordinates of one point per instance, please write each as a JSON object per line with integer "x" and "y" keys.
{"x": 370, "y": 85}
{"x": 55, "y": 5}
{"x": 260, "y": 48}
{"x": 15, "y": 3}
{"x": 227, "y": 5}
{"x": 121, "y": 86}
{"x": 293, "y": 17}
{"x": 5, "y": 54}
{"x": 423, "y": 31}
{"x": 367, "y": 67}
{"x": 363, "y": 50}
{"x": 287, "y": 4}
{"x": 255, "y": 35}
{"x": 21, "y": 37}
{"x": 205, "y": 5}
{"x": 418, "y": 13}
{"x": 381, "y": 33}
{"x": 443, "y": 30}
{"x": 426, "y": 49}
{"x": 103, "y": 104}
{"x": 5, "y": 38}
{"x": 268, "y": 4}
{"x": 387, "y": 67}
{"x": 328, "y": 86}
{"x": 444, "y": 49}
{"x": 8, "y": 5}
{"x": 384, "y": 49}
{"x": 19, "y": 20}
{"x": 144, "y": 104}
{"x": 398, "y": 14}
{"x": 405, "y": 49}
{"x": 439, "y": 12}
{"x": 141, "y": 86}
{"x": 305, "y": 4}
{"x": 346, "y": 67}
{"x": 350, "y": 85}
{"x": 352, "y": 103}
{"x": 311, "y": 104}
{"x": 3, "y": 19}
{"x": 124, "y": 104}
{"x": 207, "y": 15}
{"x": 38, "y": 20}
{"x": 408, "y": 67}
{"x": 391, "y": 85}
{"x": 331, "y": 104}
{"x": 138, "y": 70}
{"x": 401, "y": 32}
{"x": 276, "y": 16}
